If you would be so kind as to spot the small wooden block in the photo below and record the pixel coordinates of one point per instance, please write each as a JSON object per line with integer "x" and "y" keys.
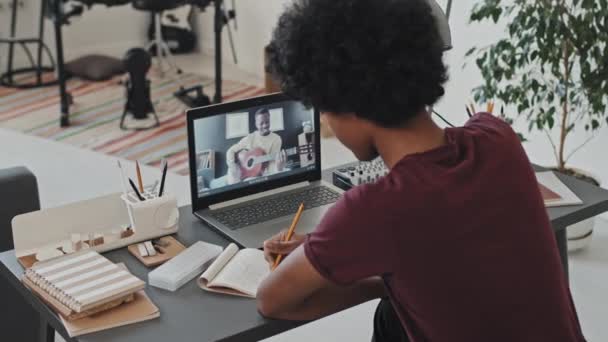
{"x": 172, "y": 248}
{"x": 27, "y": 261}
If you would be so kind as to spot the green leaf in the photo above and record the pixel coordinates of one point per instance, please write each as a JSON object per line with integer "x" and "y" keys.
{"x": 550, "y": 122}
{"x": 521, "y": 137}
{"x": 496, "y": 14}
{"x": 595, "y": 124}
{"x": 470, "y": 52}
{"x": 540, "y": 124}
{"x": 533, "y": 55}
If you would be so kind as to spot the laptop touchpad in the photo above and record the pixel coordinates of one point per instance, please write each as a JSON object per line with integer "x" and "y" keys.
{"x": 308, "y": 222}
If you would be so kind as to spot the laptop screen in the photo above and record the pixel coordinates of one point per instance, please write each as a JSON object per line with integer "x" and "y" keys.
{"x": 247, "y": 147}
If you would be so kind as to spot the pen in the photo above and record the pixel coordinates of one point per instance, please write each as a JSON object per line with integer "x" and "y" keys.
{"x": 136, "y": 191}
{"x": 139, "y": 180}
{"x": 473, "y": 108}
{"x": 162, "y": 180}
{"x": 468, "y": 110}
{"x": 153, "y": 189}
{"x": 289, "y": 233}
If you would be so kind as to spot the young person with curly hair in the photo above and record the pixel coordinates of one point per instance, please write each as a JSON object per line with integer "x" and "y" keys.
{"x": 455, "y": 239}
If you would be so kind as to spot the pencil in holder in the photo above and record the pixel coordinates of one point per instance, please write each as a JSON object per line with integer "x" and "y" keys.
{"x": 155, "y": 216}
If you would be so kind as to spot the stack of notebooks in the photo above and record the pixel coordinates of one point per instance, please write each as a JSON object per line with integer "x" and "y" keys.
{"x": 87, "y": 291}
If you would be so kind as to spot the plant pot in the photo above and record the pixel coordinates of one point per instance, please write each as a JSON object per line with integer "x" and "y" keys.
{"x": 580, "y": 234}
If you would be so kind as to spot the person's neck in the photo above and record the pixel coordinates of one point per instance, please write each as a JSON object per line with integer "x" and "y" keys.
{"x": 419, "y": 135}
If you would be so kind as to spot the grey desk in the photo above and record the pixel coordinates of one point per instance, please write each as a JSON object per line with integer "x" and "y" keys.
{"x": 191, "y": 314}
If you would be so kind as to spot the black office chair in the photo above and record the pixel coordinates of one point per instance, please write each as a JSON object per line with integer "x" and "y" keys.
{"x": 19, "y": 191}
{"x": 157, "y": 7}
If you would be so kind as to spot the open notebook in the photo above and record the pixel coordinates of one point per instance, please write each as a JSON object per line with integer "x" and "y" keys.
{"x": 83, "y": 281}
{"x": 236, "y": 272}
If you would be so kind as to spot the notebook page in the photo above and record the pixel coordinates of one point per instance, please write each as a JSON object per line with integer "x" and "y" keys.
{"x": 244, "y": 272}
{"x": 220, "y": 262}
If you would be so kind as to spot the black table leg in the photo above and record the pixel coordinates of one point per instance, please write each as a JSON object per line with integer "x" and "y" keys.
{"x": 41, "y": 37}
{"x": 219, "y": 25}
{"x": 11, "y": 45}
{"x": 47, "y": 333}
{"x": 57, "y": 22}
{"x": 562, "y": 244}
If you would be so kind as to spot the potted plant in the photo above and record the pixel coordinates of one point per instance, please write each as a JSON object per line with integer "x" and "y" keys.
{"x": 552, "y": 66}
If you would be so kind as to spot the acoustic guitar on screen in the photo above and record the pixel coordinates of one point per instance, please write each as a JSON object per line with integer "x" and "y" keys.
{"x": 252, "y": 163}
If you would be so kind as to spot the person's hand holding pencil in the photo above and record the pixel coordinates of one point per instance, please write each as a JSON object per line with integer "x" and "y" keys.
{"x": 284, "y": 242}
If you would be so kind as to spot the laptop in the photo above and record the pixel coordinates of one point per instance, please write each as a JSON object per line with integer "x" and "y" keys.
{"x": 252, "y": 163}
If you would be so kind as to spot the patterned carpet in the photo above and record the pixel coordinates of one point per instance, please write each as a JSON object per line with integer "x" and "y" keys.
{"x": 96, "y": 112}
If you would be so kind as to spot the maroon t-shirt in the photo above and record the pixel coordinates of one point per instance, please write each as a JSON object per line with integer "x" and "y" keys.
{"x": 462, "y": 240}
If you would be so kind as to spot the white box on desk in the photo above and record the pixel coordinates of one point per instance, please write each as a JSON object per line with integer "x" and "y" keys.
{"x": 155, "y": 214}
{"x": 106, "y": 218}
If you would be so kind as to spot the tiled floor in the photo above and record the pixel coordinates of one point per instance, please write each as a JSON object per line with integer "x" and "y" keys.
{"x": 64, "y": 174}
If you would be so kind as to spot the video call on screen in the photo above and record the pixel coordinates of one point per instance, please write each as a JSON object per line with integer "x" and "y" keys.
{"x": 246, "y": 147}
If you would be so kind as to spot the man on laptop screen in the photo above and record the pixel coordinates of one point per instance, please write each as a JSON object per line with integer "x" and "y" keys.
{"x": 263, "y": 142}
{"x": 277, "y": 146}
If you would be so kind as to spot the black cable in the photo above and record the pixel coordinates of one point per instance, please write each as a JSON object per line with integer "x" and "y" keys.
{"x": 443, "y": 119}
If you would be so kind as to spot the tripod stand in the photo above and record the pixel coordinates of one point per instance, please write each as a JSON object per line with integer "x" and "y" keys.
{"x": 220, "y": 19}
{"x": 195, "y": 96}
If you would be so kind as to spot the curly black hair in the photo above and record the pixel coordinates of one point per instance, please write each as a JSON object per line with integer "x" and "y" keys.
{"x": 379, "y": 59}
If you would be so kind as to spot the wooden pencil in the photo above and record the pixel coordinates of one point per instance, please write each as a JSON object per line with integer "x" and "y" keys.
{"x": 294, "y": 223}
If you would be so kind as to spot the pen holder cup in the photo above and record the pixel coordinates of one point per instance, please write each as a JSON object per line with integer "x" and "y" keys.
{"x": 156, "y": 216}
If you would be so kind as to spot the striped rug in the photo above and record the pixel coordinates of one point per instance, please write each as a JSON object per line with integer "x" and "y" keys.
{"x": 96, "y": 112}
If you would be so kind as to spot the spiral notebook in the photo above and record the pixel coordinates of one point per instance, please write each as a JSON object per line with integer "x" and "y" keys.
{"x": 84, "y": 280}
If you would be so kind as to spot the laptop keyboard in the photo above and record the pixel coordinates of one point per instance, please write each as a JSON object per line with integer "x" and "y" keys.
{"x": 267, "y": 209}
